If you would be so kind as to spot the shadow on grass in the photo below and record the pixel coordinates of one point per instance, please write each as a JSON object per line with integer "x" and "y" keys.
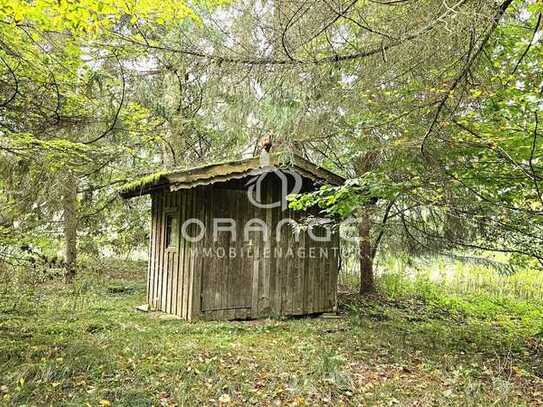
{"x": 412, "y": 330}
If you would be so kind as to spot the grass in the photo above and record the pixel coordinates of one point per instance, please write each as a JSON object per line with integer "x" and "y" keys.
{"x": 417, "y": 343}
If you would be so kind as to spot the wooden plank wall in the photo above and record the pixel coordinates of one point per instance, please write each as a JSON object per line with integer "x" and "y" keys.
{"x": 224, "y": 287}
{"x": 171, "y": 283}
{"x": 273, "y": 285}
{"x": 308, "y": 280}
{"x": 160, "y": 264}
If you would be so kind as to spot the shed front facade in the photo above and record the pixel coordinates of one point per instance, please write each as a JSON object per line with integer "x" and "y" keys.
{"x": 215, "y": 253}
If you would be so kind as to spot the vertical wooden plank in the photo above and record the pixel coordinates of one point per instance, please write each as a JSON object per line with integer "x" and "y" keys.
{"x": 196, "y": 281}
{"x": 175, "y": 269}
{"x": 193, "y": 291}
{"x": 187, "y": 256}
{"x": 171, "y": 289}
{"x": 211, "y": 271}
{"x": 150, "y": 276}
{"x": 263, "y": 271}
{"x": 166, "y": 259}
{"x": 164, "y": 287}
{"x": 229, "y": 274}
{"x": 245, "y": 250}
{"x": 275, "y": 261}
{"x": 163, "y": 256}
{"x": 190, "y": 248}
{"x": 315, "y": 269}
{"x": 292, "y": 278}
{"x": 173, "y": 255}
{"x": 219, "y": 274}
{"x": 195, "y": 229}
{"x": 286, "y": 270}
{"x": 309, "y": 277}
{"x": 229, "y": 281}
{"x": 298, "y": 294}
{"x": 165, "y": 265}
{"x": 160, "y": 269}
{"x": 209, "y": 264}
{"x": 323, "y": 261}
{"x": 256, "y": 248}
{"x": 329, "y": 271}
{"x": 169, "y": 286}
{"x": 151, "y": 253}
{"x": 314, "y": 273}
{"x": 240, "y": 286}
{"x": 317, "y": 265}
{"x": 178, "y": 265}
{"x": 156, "y": 242}
{"x": 291, "y": 261}
{"x": 187, "y": 276}
{"x": 183, "y": 263}
{"x": 165, "y": 292}
{"x": 214, "y": 272}
{"x": 182, "y": 246}
{"x": 249, "y": 261}
{"x": 318, "y": 284}
{"x": 324, "y": 276}
{"x": 241, "y": 283}
{"x": 224, "y": 273}
{"x": 160, "y": 254}
{"x": 265, "y": 298}
{"x": 330, "y": 247}
{"x": 335, "y": 270}
{"x": 316, "y": 277}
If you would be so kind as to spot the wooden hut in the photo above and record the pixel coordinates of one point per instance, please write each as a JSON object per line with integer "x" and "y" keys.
{"x": 223, "y": 244}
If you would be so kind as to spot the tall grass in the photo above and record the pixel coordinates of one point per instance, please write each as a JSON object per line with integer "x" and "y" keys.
{"x": 397, "y": 275}
{"x": 512, "y": 301}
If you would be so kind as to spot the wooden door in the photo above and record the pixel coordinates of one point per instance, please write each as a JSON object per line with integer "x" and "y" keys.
{"x": 228, "y": 268}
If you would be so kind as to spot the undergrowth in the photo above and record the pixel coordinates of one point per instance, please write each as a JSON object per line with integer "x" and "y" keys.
{"x": 415, "y": 343}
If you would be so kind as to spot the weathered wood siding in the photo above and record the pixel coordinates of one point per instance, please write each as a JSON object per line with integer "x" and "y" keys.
{"x": 172, "y": 287}
{"x": 227, "y": 278}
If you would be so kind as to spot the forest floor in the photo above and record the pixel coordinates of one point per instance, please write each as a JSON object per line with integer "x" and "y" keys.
{"x": 86, "y": 345}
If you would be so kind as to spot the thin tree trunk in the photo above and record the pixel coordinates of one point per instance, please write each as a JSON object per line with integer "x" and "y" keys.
{"x": 69, "y": 203}
{"x": 366, "y": 253}
{"x": 364, "y": 164}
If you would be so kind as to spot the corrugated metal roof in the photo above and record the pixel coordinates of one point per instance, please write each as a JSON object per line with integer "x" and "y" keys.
{"x": 225, "y": 171}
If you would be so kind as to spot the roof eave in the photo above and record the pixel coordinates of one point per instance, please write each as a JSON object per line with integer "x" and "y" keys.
{"x": 222, "y": 172}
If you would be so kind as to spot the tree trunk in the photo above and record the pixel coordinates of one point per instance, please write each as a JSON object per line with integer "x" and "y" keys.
{"x": 69, "y": 203}
{"x": 366, "y": 253}
{"x": 364, "y": 164}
